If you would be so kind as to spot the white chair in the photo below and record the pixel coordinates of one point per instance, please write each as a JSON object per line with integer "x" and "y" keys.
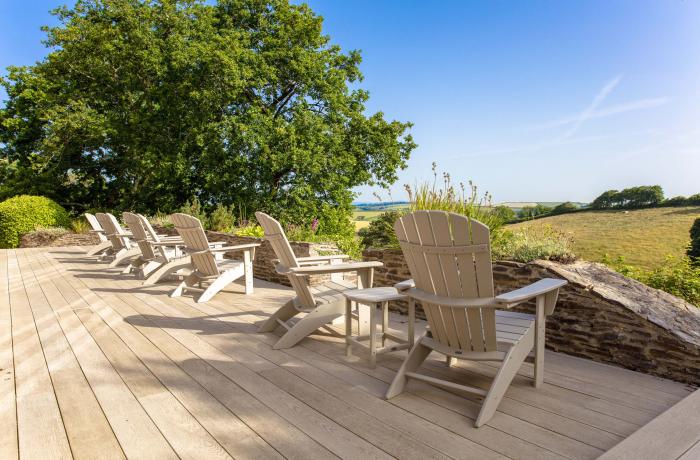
{"x": 322, "y": 303}
{"x": 122, "y": 247}
{"x": 449, "y": 257}
{"x": 104, "y": 247}
{"x": 156, "y": 250}
{"x": 208, "y": 269}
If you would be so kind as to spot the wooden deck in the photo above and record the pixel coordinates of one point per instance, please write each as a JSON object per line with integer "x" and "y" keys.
{"x": 93, "y": 365}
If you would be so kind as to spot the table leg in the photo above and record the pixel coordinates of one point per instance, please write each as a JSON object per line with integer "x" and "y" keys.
{"x": 385, "y": 321}
{"x": 373, "y": 334}
{"x": 348, "y": 328}
{"x": 411, "y": 322}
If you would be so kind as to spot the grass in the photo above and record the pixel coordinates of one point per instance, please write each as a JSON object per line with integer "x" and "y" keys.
{"x": 643, "y": 237}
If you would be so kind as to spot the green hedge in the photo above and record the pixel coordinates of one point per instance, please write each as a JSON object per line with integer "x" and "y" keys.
{"x": 25, "y": 213}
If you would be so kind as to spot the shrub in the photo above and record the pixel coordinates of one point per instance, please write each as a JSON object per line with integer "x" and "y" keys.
{"x": 380, "y": 232}
{"x": 677, "y": 276}
{"x": 505, "y": 213}
{"x": 530, "y": 212}
{"x": 221, "y": 219}
{"x": 694, "y": 199}
{"x": 161, "y": 219}
{"x": 676, "y": 201}
{"x": 26, "y": 213}
{"x": 255, "y": 231}
{"x": 564, "y": 208}
{"x": 194, "y": 209}
{"x": 694, "y": 248}
{"x": 80, "y": 225}
{"x": 531, "y": 243}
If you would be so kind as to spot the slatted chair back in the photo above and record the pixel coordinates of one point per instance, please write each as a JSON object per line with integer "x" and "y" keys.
{"x": 283, "y": 250}
{"x": 449, "y": 255}
{"x": 92, "y": 220}
{"x": 140, "y": 236}
{"x": 192, "y": 233}
{"x": 152, "y": 235}
{"x": 118, "y": 242}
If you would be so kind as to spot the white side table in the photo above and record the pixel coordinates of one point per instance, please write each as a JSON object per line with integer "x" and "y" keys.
{"x": 377, "y": 299}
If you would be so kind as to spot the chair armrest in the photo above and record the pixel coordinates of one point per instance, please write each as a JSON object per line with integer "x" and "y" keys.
{"x": 323, "y": 258}
{"x": 316, "y": 260}
{"x": 405, "y": 285}
{"x": 240, "y": 247}
{"x": 455, "y": 302}
{"x": 338, "y": 268}
{"x": 168, "y": 243}
{"x": 536, "y": 289}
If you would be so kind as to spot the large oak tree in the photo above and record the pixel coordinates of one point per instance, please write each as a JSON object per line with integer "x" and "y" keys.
{"x": 145, "y": 104}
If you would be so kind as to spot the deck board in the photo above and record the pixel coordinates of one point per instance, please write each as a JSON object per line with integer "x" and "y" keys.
{"x": 85, "y": 346}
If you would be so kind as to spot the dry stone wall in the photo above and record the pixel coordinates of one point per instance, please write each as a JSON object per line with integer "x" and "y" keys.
{"x": 601, "y": 315}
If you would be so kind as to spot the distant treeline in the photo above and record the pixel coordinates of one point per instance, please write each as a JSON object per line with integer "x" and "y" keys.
{"x": 644, "y": 196}
{"x": 381, "y": 206}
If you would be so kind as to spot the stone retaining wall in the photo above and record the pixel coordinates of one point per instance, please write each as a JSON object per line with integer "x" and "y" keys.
{"x": 601, "y": 315}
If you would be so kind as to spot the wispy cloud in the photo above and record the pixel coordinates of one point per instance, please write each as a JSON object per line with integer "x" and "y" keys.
{"x": 592, "y": 111}
{"x": 586, "y": 114}
{"x": 640, "y": 104}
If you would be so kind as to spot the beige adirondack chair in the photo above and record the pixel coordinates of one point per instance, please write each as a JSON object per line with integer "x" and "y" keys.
{"x": 322, "y": 304}
{"x": 122, "y": 247}
{"x": 208, "y": 269}
{"x": 104, "y": 247}
{"x": 156, "y": 250}
{"x": 449, "y": 256}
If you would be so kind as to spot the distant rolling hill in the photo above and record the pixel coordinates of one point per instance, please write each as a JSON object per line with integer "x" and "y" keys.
{"x": 644, "y": 237}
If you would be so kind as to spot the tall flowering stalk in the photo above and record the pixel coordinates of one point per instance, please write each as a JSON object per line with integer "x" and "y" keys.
{"x": 462, "y": 199}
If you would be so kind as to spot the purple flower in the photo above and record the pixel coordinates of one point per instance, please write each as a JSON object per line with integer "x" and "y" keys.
{"x": 314, "y": 225}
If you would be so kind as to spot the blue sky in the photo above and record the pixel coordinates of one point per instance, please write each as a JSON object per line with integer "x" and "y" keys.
{"x": 533, "y": 101}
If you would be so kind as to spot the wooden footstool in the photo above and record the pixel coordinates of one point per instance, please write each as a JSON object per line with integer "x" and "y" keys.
{"x": 377, "y": 299}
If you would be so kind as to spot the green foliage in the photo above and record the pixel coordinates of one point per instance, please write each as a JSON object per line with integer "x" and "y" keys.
{"x": 633, "y": 197}
{"x": 80, "y": 225}
{"x": 194, "y": 209}
{"x": 526, "y": 244}
{"x": 530, "y": 212}
{"x": 677, "y": 276}
{"x": 694, "y": 247}
{"x": 221, "y": 219}
{"x": 141, "y": 105}
{"x": 676, "y": 201}
{"x": 505, "y": 213}
{"x": 694, "y": 199}
{"x": 564, "y": 208}
{"x": 429, "y": 196}
{"x": 254, "y": 231}
{"x": 380, "y": 232}
{"x": 161, "y": 219}
{"x": 25, "y": 213}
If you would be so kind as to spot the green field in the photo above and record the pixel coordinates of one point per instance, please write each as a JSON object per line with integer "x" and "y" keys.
{"x": 643, "y": 237}
{"x": 362, "y": 217}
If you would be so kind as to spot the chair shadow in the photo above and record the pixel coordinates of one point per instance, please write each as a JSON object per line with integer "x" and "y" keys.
{"x": 202, "y": 325}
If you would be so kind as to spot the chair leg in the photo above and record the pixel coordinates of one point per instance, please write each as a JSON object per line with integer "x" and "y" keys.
{"x": 321, "y": 315}
{"x": 121, "y": 256}
{"x": 413, "y": 361}
{"x": 221, "y": 282}
{"x": 189, "y": 280}
{"x": 284, "y": 314}
{"x": 167, "y": 269}
{"x": 512, "y": 362}
{"x": 147, "y": 268}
